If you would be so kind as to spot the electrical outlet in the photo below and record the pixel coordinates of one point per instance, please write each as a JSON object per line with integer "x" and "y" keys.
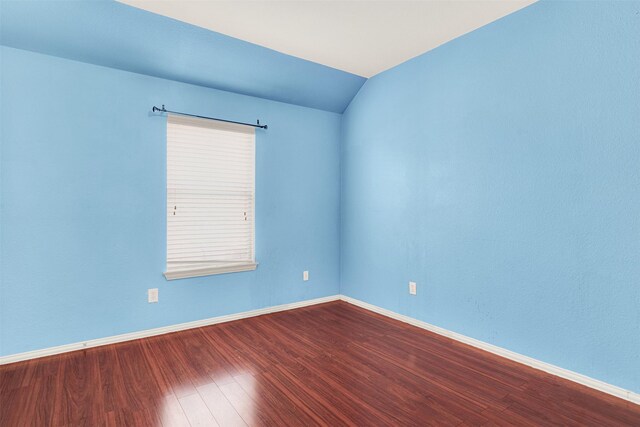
{"x": 413, "y": 288}
{"x": 305, "y": 275}
{"x": 152, "y": 295}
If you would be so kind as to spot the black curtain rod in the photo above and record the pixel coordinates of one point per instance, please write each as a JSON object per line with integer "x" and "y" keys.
{"x": 164, "y": 110}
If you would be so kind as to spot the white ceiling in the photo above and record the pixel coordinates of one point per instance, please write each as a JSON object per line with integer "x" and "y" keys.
{"x": 361, "y": 37}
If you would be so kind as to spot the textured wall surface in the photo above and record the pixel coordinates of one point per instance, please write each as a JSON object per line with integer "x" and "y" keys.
{"x": 501, "y": 172}
{"x": 84, "y": 204}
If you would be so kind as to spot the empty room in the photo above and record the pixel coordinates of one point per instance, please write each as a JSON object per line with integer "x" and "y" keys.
{"x": 332, "y": 213}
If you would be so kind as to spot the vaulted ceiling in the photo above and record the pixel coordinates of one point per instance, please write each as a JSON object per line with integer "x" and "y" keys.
{"x": 360, "y": 37}
{"x": 310, "y": 53}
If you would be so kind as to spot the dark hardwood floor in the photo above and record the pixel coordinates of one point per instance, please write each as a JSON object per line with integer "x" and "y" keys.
{"x": 331, "y": 364}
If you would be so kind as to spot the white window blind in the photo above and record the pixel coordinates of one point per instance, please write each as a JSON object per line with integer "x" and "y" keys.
{"x": 210, "y": 197}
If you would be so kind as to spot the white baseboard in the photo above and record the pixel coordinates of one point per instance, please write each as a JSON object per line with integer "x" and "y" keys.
{"x": 525, "y": 360}
{"x": 159, "y": 331}
{"x": 534, "y": 363}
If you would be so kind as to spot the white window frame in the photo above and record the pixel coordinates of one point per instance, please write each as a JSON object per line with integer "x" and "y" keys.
{"x": 196, "y": 268}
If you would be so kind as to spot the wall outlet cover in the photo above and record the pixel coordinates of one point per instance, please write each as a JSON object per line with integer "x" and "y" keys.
{"x": 305, "y": 275}
{"x": 413, "y": 288}
{"x": 152, "y": 295}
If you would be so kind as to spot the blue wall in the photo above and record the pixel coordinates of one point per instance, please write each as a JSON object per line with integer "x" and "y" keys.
{"x": 83, "y": 203}
{"x": 501, "y": 172}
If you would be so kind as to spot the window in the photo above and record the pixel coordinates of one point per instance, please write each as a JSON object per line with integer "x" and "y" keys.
{"x": 210, "y": 197}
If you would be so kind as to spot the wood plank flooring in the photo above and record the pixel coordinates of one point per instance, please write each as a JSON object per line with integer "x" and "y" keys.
{"x": 331, "y": 364}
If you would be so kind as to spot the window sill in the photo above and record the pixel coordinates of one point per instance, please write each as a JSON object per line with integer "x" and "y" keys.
{"x": 209, "y": 271}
